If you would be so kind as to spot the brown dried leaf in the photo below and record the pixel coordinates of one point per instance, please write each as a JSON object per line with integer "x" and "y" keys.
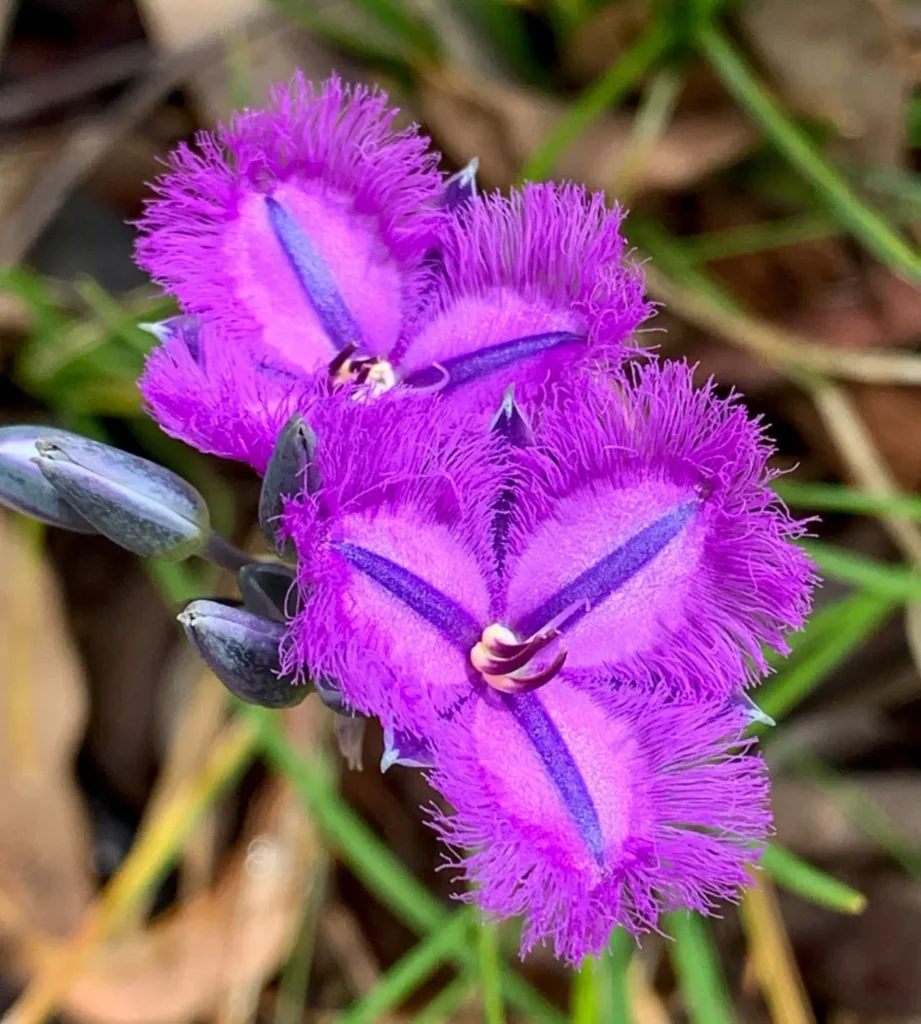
{"x": 504, "y": 125}
{"x": 842, "y": 61}
{"x": 45, "y": 852}
{"x": 226, "y": 940}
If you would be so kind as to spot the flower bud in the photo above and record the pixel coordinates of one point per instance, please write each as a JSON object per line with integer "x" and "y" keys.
{"x": 241, "y": 649}
{"x": 291, "y": 468}
{"x": 265, "y": 587}
{"x": 24, "y": 489}
{"x": 135, "y": 503}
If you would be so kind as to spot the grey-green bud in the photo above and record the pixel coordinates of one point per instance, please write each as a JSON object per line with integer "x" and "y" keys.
{"x": 135, "y": 503}
{"x": 242, "y": 650}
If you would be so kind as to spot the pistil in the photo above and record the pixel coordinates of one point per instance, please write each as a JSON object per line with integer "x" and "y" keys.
{"x": 499, "y": 657}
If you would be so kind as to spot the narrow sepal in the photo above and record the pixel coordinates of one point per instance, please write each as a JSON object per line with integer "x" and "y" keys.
{"x": 460, "y": 188}
{"x": 406, "y": 749}
{"x": 135, "y": 503}
{"x": 350, "y": 736}
{"x": 291, "y": 469}
{"x": 23, "y": 486}
{"x": 241, "y": 649}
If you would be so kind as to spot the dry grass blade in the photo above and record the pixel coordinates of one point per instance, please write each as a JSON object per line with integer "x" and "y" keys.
{"x": 779, "y": 347}
{"x": 772, "y": 957}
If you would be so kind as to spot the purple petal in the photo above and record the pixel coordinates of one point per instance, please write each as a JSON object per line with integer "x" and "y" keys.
{"x": 299, "y": 225}
{"x": 652, "y": 539}
{"x": 218, "y": 397}
{"x": 533, "y": 285}
{"x": 585, "y": 810}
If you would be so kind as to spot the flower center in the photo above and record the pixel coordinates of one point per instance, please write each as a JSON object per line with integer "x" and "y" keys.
{"x": 374, "y": 371}
{"x": 501, "y": 658}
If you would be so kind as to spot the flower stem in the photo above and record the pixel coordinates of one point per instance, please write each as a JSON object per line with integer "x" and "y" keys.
{"x": 221, "y": 552}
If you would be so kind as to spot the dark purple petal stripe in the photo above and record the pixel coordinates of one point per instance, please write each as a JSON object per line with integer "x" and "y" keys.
{"x": 483, "y": 362}
{"x": 315, "y": 277}
{"x": 532, "y": 716}
{"x": 455, "y": 623}
{"x": 608, "y": 574}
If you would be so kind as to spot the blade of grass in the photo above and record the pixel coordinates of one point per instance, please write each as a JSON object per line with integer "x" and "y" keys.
{"x": 448, "y": 1001}
{"x": 620, "y": 952}
{"x": 595, "y": 100}
{"x": 370, "y": 861}
{"x": 772, "y": 957}
{"x": 585, "y": 1003}
{"x": 838, "y": 498}
{"x": 833, "y": 634}
{"x": 792, "y": 142}
{"x": 894, "y": 581}
{"x": 416, "y": 967}
{"x": 800, "y": 877}
{"x": 493, "y": 1012}
{"x": 697, "y": 966}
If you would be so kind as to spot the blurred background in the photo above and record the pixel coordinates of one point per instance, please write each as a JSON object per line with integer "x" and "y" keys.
{"x": 165, "y": 858}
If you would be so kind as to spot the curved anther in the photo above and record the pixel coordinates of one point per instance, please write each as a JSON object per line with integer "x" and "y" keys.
{"x": 341, "y": 360}
{"x": 499, "y": 655}
{"x": 525, "y": 684}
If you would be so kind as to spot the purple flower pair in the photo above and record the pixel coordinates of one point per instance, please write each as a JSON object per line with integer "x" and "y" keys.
{"x": 549, "y": 572}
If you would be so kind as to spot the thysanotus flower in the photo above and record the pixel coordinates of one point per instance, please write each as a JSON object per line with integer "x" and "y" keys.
{"x": 633, "y": 538}
{"x": 311, "y": 238}
{"x": 585, "y": 808}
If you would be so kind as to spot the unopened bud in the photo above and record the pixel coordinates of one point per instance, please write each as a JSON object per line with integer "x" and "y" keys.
{"x": 135, "y": 503}
{"x": 242, "y": 650}
{"x": 291, "y": 469}
{"x": 23, "y": 486}
{"x": 266, "y": 590}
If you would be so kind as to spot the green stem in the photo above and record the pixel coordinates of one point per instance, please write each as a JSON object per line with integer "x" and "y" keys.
{"x": 698, "y": 968}
{"x": 595, "y": 100}
{"x": 493, "y": 1012}
{"x": 793, "y": 143}
{"x": 621, "y": 949}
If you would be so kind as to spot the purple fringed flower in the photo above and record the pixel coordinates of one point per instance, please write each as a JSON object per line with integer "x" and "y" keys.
{"x": 312, "y": 238}
{"x": 633, "y": 537}
{"x": 583, "y": 809}
{"x": 532, "y": 285}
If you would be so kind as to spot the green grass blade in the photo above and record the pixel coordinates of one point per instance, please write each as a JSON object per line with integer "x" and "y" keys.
{"x": 595, "y": 100}
{"x": 585, "y": 1002}
{"x": 838, "y": 498}
{"x": 370, "y": 861}
{"x": 894, "y": 581}
{"x": 490, "y": 959}
{"x": 831, "y": 636}
{"x": 791, "y": 141}
{"x": 412, "y": 970}
{"x": 620, "y": 952}
{"x": 697, "y": 966}
{"x": 799, "y": 876}
{"x": 448, "y": 1001}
